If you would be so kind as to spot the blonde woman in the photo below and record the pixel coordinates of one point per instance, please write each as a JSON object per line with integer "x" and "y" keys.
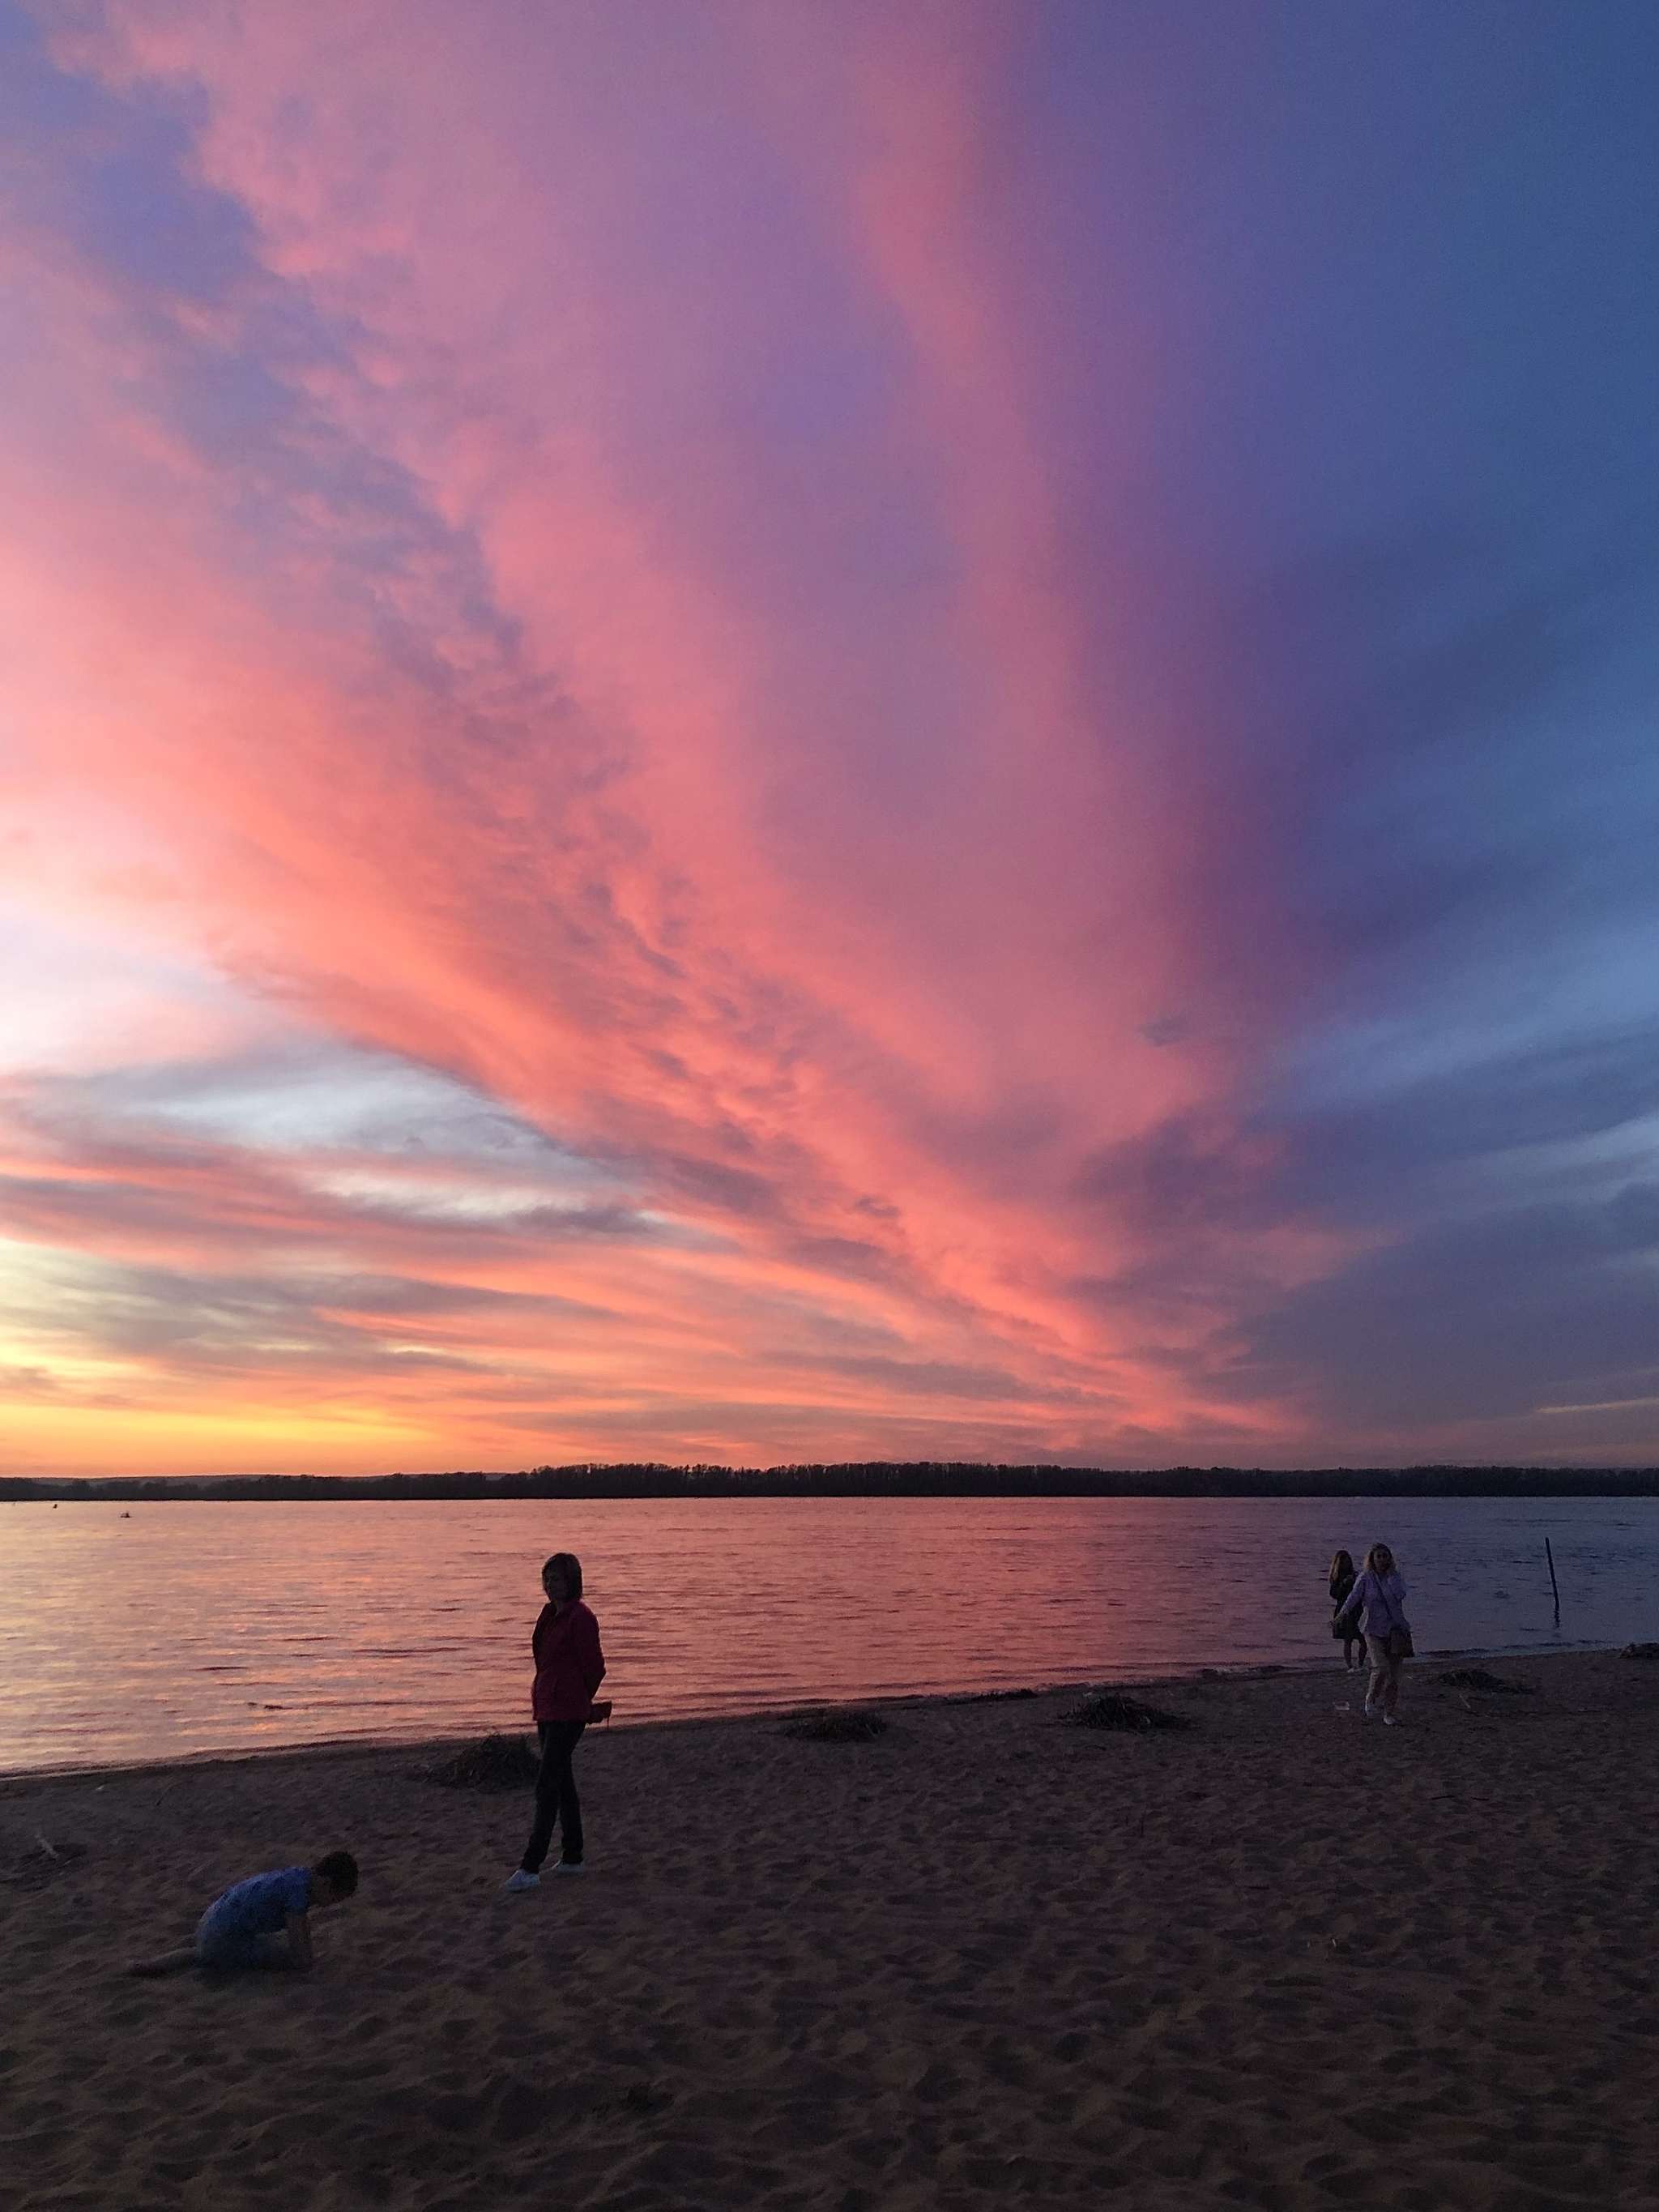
{"x": 1380, "y": 1595}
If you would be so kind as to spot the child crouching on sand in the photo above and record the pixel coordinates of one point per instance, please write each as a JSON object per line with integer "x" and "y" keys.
{"x": 241, "y": 1927}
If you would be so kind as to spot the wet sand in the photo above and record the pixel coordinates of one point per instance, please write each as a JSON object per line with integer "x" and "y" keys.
{"x": 1284, "y": 1959}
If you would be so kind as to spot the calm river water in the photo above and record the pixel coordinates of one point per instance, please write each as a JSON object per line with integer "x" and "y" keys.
{"x": 192, "y": 1627}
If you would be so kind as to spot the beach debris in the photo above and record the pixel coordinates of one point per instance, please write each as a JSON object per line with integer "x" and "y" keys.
{"x": 1477, "y": 1678}
{"x": 1109, "y": 1709}
{"x": 636, "y": 2102}
{"x": 498, "y": 1762}
{"x": 835, "y": 1724}
{"x": 1640, "y": 1652}
{"x": 34, "y": 1870}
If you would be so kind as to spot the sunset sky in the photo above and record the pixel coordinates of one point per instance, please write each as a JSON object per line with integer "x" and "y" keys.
{"x": 813, "y": 731}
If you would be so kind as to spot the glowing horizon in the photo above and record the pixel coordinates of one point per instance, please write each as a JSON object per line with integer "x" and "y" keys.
{"x": 760, "y": 733}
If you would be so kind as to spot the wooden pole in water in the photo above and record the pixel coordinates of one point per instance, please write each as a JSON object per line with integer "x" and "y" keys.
{"x": 1554, "y": 1585}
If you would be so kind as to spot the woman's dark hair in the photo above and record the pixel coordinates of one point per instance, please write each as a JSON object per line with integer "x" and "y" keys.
{"x": 339, "y": 1870}
{"x": 1341, "y": 1565}
{"x": 568, "y": 1568}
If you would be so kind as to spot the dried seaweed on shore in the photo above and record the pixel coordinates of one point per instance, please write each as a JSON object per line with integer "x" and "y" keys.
{"x": 1477, "y": 1678}
{"x": 499, "y": 1762}
{"x": 840, "y": 1725}
{"x": 1110, "y": 1710}
{"x": 1640, "y": 1652}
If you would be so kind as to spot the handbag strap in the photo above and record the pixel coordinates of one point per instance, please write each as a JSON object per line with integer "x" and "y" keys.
{"x": 1396, "y": 1613}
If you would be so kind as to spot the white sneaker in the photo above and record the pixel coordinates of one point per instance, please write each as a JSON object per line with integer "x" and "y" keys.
{"x": 520, "y": 1880}
{"x": 1390, "y": 1720}
{"x": 567, "y": 1866}
{"x": 1371, "y": 1710}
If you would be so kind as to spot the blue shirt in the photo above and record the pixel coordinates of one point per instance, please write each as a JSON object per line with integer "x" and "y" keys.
{"x": 260, "y": 1905}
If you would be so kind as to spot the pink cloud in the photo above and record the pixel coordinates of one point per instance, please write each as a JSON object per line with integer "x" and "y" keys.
{"x": 515, "y": 649}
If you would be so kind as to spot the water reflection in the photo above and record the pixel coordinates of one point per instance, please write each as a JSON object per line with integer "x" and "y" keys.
{"x": 189, "y": 1627}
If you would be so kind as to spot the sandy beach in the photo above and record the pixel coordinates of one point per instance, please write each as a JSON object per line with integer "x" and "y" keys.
{"x": 1281, "y": 1959}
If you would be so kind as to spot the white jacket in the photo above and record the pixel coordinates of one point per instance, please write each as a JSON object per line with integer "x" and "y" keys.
{"x": 1383, "y": 1597}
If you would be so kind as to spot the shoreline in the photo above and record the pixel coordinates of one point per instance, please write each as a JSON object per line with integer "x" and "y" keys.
{"x": 1278, "y": 1957}
{"x": 340, "y": 1748}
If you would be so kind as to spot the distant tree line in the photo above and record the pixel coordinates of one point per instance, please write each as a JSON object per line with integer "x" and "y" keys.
{"x": 873, "y": 1479}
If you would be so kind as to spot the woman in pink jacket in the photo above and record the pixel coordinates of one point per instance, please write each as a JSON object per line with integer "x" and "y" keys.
{"x": 569, "y": 1668}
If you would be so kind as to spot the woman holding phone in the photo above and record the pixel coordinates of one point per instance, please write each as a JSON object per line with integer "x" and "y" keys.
{"x": 1380, "y": 1591}
{"x": 570, "y": 1668}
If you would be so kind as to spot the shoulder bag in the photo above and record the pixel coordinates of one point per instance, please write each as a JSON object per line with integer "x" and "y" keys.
{"x": 1398, "y": 1642}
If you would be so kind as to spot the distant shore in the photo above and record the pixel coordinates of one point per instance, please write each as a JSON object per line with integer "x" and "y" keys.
{"x": 860, "y": 1478}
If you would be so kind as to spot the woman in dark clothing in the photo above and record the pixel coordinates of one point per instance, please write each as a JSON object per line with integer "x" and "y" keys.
{"x": 569, "y": 1668}
{"x": 1342, "y": 1582}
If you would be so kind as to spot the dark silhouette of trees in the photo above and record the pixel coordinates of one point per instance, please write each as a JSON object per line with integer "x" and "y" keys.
{"x": 873, "y": 1478}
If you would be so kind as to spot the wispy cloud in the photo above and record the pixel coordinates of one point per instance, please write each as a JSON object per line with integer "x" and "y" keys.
{"x": 772, "y": 739}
